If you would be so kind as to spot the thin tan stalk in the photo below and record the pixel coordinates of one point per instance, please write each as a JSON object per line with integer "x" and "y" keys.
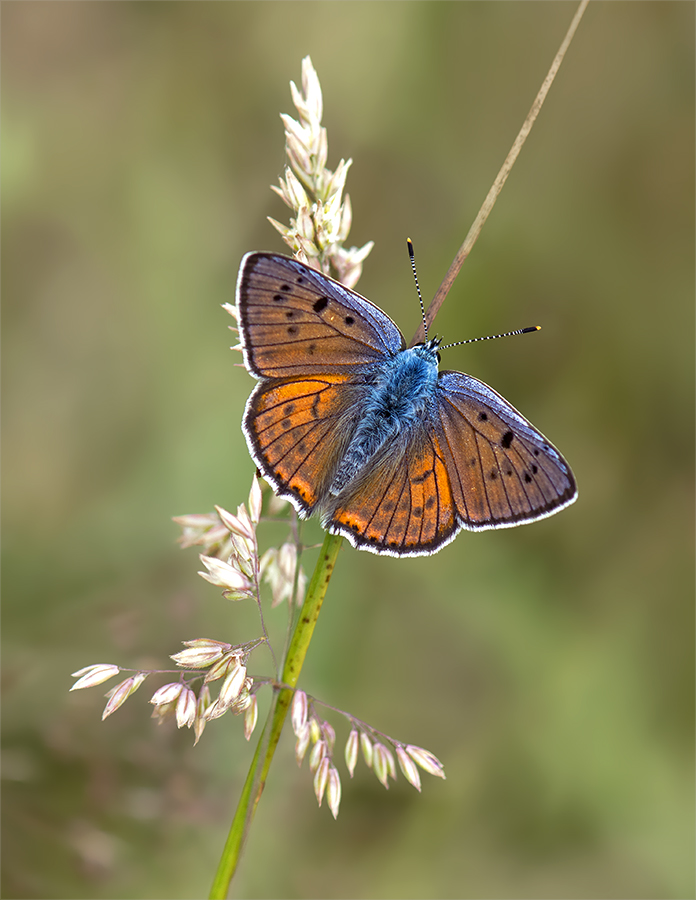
{"x": 492, "y": 196}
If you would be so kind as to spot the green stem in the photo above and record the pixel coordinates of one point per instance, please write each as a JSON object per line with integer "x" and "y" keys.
{"x": 261, "y": 763}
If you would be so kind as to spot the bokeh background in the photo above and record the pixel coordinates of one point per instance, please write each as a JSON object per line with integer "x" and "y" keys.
{"x": 550, "y": 667}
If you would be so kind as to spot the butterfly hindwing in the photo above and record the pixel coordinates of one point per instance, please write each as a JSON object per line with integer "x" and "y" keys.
{"x": 297, "y": 429}
{"x": 296, "y": 321}
{"x": 503, "y": 471}
{"x": 403, "y": 505}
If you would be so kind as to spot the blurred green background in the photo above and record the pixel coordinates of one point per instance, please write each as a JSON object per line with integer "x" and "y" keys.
{"x": 549, "y": 667}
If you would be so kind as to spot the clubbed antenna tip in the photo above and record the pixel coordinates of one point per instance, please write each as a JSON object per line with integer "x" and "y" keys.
{"x": 411, "y": 255}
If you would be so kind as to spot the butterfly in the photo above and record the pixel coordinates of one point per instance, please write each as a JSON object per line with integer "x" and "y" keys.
{"x": 348, "y": 422}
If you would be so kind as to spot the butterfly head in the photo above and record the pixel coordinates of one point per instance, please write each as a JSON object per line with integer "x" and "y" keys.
{"x": 429, "y": 350}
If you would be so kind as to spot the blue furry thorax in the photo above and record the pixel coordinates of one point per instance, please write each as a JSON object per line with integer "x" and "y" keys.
{"x": 400, "y": 389}
{"x": 404, "y": 385}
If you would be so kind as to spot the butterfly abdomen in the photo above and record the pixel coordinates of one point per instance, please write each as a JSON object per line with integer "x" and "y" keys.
{"x": 400, "y": 392}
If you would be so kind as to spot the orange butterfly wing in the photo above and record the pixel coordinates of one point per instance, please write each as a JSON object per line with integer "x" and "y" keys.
{"x": 296, "y": 321}
{"x": 503, "y": 471}
{"x": 298, "y": 429}
{"x": 403, "y": 504}
{"x": 311, "y": 341}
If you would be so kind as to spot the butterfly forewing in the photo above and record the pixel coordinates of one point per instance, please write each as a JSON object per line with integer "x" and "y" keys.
{"x": 296, "y": 321}
{"x": 503, "y": 471}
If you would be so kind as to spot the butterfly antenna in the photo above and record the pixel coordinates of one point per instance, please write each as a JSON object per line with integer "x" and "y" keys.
{"x": 492, "y": 337}
{"x": 412, "y": 257}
